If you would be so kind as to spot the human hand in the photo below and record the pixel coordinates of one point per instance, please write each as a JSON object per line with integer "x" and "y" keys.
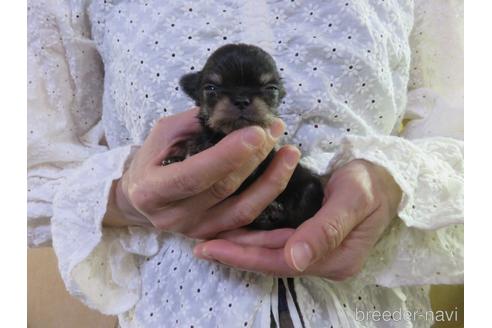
{"x": 189, "y": 197}
{"x": 360, "y": 201}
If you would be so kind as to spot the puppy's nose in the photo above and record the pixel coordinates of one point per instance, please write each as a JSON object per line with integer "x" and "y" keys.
{"x": 241, "y": 102}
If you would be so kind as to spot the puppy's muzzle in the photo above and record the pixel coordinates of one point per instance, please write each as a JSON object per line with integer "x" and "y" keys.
{"x": 241, "y": 102}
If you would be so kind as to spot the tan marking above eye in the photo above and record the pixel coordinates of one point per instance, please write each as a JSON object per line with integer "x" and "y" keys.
{"x": 266, "y": 78}
{"x": 215, "y": 78}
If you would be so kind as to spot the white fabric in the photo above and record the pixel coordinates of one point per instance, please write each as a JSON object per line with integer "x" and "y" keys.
{"x": 352, "y": 77}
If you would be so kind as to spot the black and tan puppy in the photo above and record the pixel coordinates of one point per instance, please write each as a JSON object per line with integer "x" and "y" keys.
{"x": 240, "y": 86}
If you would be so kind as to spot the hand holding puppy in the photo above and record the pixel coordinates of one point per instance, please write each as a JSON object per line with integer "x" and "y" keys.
{"x": 189, "y": 197}
{"x": 360, "y": 201}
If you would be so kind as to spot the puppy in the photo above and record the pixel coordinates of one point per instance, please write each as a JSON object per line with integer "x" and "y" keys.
{"x": 240, "y": 86}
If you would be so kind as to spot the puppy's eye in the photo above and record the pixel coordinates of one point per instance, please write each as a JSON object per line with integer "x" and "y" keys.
{"x": 271, "y": 87}
{"x": 210, "y": 87}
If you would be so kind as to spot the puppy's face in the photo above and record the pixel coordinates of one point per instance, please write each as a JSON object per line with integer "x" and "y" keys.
{"x": 238, "y": 86}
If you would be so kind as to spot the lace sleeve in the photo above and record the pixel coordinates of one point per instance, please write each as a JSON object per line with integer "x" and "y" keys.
{"x": 426, "y": 246}
{"x": 63, "y": 109}
{"x": 70, "y": 169}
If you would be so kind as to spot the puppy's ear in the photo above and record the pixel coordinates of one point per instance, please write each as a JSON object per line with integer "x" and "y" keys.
{"x": 190, "y": 83}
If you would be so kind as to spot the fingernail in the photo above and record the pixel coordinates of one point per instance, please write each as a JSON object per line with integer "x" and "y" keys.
{"x": 276, "y": 128}
{"x": 205, "y": 253}
{"x": 301, "y": 255}
{"x": 292, "y": 157}
{"x": 201, "y": 252}
{"x": 253, "y": 136}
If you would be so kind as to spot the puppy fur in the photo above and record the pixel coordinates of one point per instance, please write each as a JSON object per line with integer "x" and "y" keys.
{"x": 241, "y": 86}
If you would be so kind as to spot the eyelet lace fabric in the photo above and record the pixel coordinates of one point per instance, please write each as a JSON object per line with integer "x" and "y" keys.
{"x": 375, "y": 80}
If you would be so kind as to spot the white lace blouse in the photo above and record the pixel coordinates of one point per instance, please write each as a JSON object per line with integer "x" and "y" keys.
{"x": 100, "y": 73}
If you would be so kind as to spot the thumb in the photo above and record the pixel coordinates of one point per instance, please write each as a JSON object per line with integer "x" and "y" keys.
{"x": 178, "y": 126}
{"x": 167, "y": 132}
{"x": 323, "y": 233}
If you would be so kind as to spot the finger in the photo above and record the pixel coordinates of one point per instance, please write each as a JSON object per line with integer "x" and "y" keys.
{"x": 169, "y": 130}
{"x": 316, "y": 237}
{"x": 225, "y": 187}
{"x": 200, "y": 171}
{"x": 248, "y": 258}
{"x": 240, "y": 210}
{"x": 348, "y": 259}
{"x": 170, "y": 127}
{"x": 268, "y": 239}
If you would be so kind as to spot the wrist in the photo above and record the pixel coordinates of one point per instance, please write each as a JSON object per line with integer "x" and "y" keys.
{"x": 119, "y": 211}
{"x": 387, "y": 186}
